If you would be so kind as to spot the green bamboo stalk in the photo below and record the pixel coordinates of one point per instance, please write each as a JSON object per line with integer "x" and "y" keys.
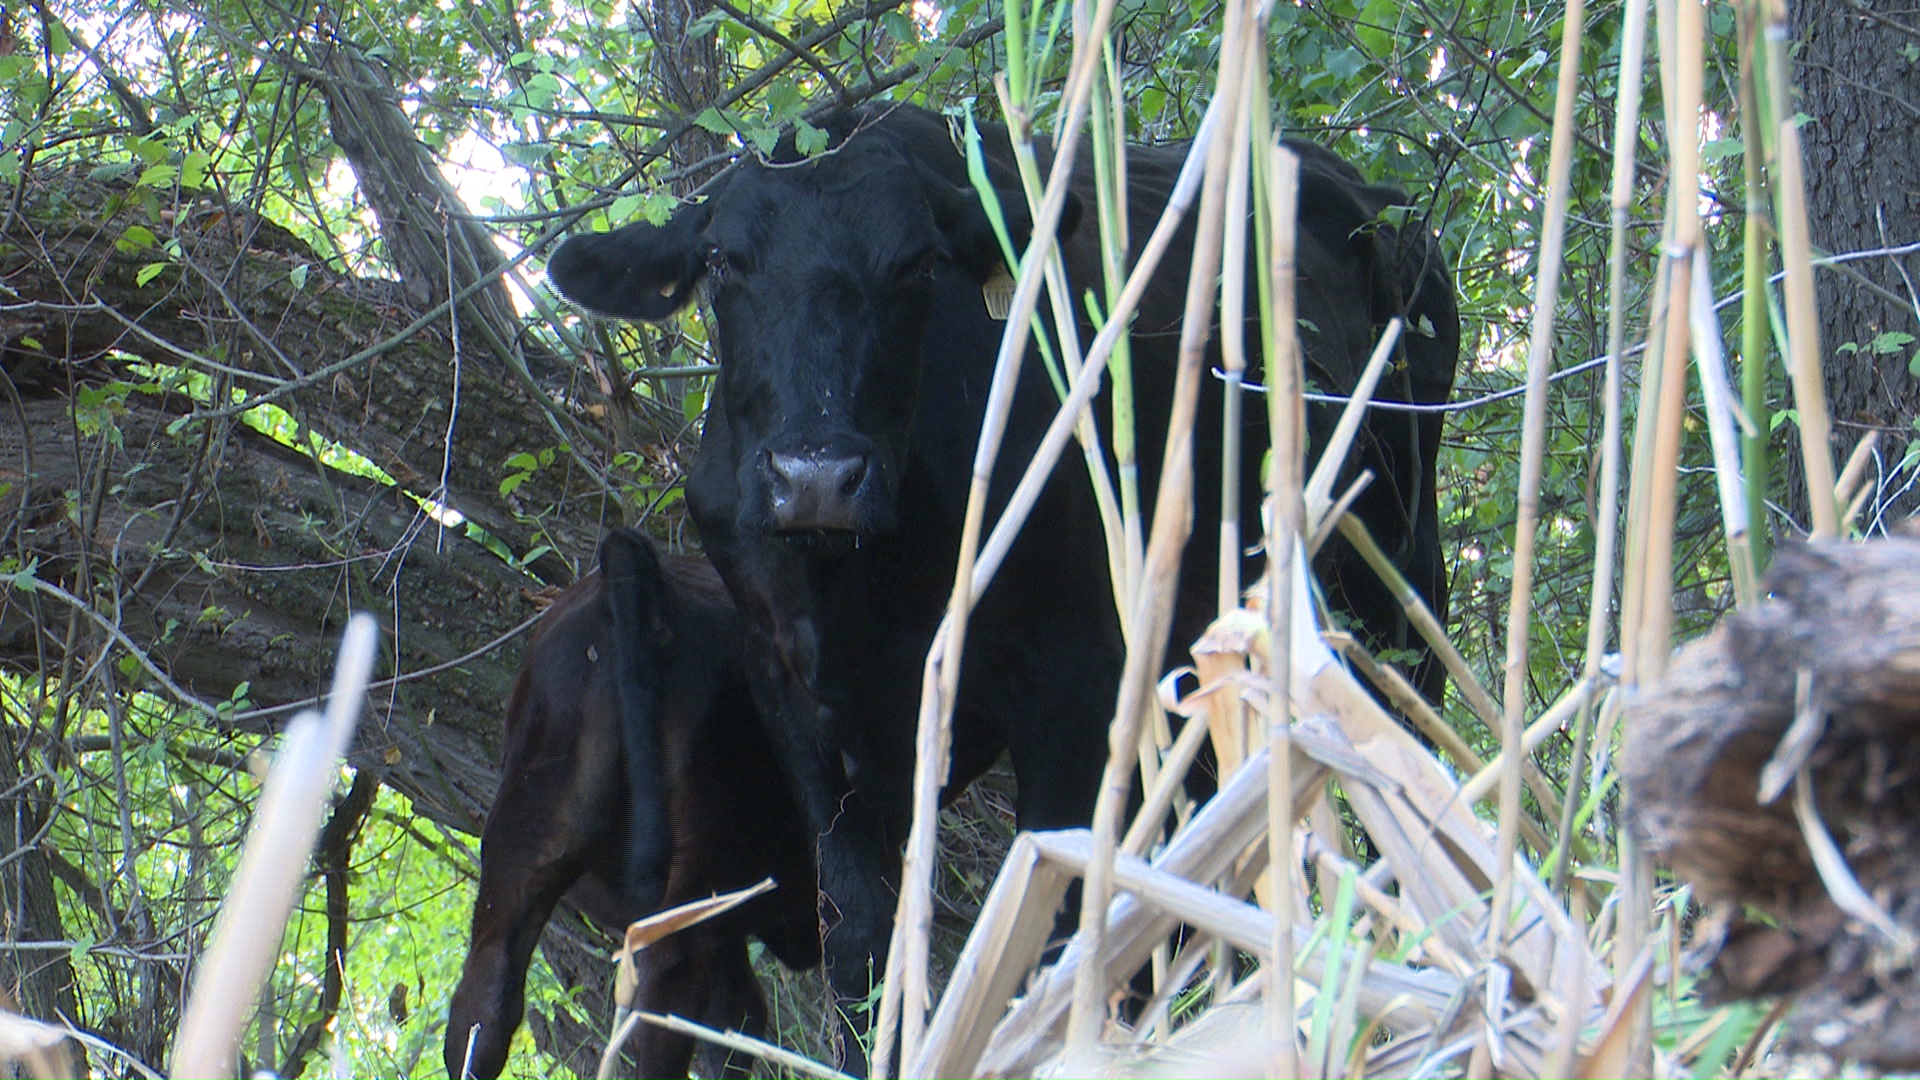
{"x": 1755, "y": 457}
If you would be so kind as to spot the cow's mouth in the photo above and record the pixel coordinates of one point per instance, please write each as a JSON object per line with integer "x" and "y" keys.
{"x": 821, "y": 541}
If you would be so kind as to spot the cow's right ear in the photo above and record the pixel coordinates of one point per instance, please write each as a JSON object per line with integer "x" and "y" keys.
{"x": 641, "y": 271}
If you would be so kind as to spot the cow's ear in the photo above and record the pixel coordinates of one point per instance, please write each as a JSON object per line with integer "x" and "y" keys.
{"x": 642, "y": 271}
{"x": 970, "y": 239}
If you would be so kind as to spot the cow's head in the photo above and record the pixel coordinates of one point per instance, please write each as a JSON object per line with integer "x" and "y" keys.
{"x": 821, "y": 273}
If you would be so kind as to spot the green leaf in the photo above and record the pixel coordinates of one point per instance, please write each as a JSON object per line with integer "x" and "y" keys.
{"x": 625, "y": 207}
{"x": 658, "y": 207}
{"x": 193, "y": 171}
{"x": 809, "y": 140}
{"x": 526, "y": 153}
{"x": 1891, "y": 342}
{"x": 158, "y": 176}
{"x": 25, "y": 579}
{"x": 135, "y": 238}
{"x": 713, "y": 121}
{"x": 707, "y": 21}
{"x": 298, "y": 275}
{"x": 763, "y": 138}
{"x": 149, "y": 151}
{"x": 542, "y": 89}
{"x": 148, "y": 273}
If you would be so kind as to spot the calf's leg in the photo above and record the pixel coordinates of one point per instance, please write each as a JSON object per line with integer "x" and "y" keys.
{"x": 532, "y": 850}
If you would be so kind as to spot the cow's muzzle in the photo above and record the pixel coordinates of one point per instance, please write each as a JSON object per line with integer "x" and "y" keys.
{"x": 816, "y": 491}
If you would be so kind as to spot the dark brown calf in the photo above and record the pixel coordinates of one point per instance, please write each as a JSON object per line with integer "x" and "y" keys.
{"x": 635, "y": 765}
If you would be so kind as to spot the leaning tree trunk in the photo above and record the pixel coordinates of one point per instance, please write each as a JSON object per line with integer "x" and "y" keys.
{"x": 1862, "y": 91}
{"x": 425, "y": 229}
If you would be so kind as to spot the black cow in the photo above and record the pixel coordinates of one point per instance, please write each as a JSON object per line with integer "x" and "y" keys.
{"x": 855, "y": 356}
{"x": 636, "y": 766}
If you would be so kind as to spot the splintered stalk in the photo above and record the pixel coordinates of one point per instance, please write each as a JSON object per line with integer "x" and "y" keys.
{"x": 246, "y": 936}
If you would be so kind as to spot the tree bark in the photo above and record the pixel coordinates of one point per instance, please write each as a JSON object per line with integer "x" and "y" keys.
{"x": 1862, "y": 92}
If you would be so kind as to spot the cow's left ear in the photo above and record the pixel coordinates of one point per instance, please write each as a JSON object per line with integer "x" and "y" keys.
{"x": 642, "y": 271}
{"x": 970, "y": 239}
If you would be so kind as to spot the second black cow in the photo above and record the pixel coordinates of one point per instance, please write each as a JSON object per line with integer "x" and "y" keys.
{"x": 855, "y": 357}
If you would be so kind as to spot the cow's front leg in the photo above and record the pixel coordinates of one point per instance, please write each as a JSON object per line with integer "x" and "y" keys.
{"x": 857, "y": 867}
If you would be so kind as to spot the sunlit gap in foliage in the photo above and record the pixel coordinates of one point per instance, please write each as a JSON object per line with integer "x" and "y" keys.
{"x": 488, "y": 183}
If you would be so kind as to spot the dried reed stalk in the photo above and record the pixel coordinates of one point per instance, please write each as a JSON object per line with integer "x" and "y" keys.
{"x": 246, "y": 936}
{"x": 1796, "y": 257}
{"x": 1233, "y": 357}
{"x": 1723, "y": 421}
{"x": 1626, "y": 122}
{"x": 1533, "y": 440}
{"x": 1286, "y": 515}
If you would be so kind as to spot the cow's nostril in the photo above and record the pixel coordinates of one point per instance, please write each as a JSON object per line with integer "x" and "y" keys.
{"x": 782, "y": 470}
{"x": 853, "y": 471}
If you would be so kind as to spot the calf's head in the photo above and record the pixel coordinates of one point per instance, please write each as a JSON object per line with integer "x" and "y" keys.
{"x": 822, "y": 272}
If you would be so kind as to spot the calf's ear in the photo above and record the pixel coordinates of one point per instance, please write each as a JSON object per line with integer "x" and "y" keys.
{"x": 643, "y": 272}
{"x": 962, "y": 216}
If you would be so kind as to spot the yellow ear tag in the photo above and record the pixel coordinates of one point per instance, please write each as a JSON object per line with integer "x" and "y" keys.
{"x": 997, "y": 291}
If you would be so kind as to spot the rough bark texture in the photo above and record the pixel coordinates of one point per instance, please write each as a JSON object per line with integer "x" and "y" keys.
{"x": 1838, "y": 642}
{"x": 1862, "y": 90}
{"x": 226, "y": 557}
